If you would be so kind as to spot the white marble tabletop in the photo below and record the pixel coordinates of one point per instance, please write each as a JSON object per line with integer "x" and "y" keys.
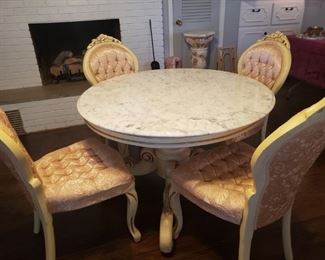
{"x": 174, "y": 105}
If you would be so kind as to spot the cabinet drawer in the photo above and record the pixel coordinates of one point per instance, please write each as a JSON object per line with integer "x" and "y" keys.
{"x": 288, "y": 12}
{"x": 290, "y": 29}
{"x": 255, "y": 13}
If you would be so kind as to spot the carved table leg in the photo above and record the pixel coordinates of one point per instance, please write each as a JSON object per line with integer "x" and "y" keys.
{"x": 147, "y": 163}
{"x": 167, "y": 161}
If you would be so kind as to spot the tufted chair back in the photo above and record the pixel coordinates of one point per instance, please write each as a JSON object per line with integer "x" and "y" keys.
{"x": 106, "y": 57}
{"x": 267, "y": 61}
{"x": 282, "y": 160}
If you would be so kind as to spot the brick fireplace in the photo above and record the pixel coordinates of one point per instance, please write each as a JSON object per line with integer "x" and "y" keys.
{"x": 18, "y": 64}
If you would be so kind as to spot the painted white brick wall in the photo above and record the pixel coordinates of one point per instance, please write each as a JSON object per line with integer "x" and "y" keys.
{"x": 18, "y": 64}
{"x": 48, "y": 114}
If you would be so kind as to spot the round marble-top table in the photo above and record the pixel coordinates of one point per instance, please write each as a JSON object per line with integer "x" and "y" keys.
{"x": 171, "y": 111}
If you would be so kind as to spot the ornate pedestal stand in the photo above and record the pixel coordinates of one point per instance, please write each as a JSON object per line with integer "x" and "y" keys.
{"x": 199, "y": 42}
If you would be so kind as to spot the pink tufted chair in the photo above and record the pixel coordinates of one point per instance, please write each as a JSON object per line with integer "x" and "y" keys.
{"x": 268, "y": 61}
{"x": 253, "y": 187}
{"x": 73, "y": 177}
{"x": 106, "y": 57}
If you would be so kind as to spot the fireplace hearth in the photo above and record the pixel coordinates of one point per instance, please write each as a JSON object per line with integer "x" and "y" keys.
{"x": 59, "y": 47}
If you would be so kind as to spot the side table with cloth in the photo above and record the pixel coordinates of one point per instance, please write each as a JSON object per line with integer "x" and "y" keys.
{"x": 308, "y": 60}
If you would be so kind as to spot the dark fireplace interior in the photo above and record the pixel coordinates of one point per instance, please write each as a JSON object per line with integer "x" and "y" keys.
{"x": 59, "y": 47}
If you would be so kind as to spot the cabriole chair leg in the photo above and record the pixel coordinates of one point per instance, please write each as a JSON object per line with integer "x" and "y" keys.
{"x": 49, "y": 239}
{"x": 37, "y": 222}
{"x": 132, "y": 206}
{"x": 246, "y": 236}
{"x": 264, "y": 128}
{"x": 286, "y": 235}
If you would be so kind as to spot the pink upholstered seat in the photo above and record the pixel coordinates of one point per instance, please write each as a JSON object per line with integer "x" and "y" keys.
{"x": 252, "y": 187}
{"x": 70, "y": 178}
{"x": 82, "y": 174}
{"x": 219, "y": 180}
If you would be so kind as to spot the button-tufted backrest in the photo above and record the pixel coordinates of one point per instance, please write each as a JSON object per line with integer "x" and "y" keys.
{"x": 106, "y": 58}
{"x": 281, "y": 161}
{"x": 263, "y": 63}
{"x": 267, "y": 61}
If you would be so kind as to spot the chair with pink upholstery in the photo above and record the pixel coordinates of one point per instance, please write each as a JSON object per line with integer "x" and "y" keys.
{"x": 268, "y": 61}
{"x": 252, "y": 187}
{"x": 106, "y": 57}
{"x": 73, "y": 177}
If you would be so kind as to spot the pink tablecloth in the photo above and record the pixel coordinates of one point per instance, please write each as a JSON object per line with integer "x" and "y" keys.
{"x": 308, "y": 60}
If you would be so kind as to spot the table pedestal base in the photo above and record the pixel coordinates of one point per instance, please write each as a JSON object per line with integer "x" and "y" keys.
{"x": 168, "y": 159}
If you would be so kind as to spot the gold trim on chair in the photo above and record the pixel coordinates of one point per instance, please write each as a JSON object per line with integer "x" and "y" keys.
{"x": 277, "y": 36}
{"x": 102, "y": 38}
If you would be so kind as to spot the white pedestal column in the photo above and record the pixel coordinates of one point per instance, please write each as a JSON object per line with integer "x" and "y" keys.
{"x": 199, "y": 42}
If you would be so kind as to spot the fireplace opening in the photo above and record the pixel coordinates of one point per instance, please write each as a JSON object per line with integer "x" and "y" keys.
{"x": 59, "y": 47}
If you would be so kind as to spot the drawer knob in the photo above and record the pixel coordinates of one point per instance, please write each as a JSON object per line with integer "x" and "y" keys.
{"x": 257, "y": 10}
{"x": 288, "y": 9}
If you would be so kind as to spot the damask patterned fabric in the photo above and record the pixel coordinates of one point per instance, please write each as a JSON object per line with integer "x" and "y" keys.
{"x": 109, "y": 62}
{"x": 263, "y": 63}
{"x": 218, "y": 180}
{"x": 287, "y": 168}
{"x": 82, "y": 174}
{"x": 75, "y": 176}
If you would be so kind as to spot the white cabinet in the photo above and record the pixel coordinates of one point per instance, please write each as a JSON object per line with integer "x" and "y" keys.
{"x": 255, "y": 13}
{"x": 258, "y": 18}
{"x": 288, "y": 13}
{"x": 249, "y": 35}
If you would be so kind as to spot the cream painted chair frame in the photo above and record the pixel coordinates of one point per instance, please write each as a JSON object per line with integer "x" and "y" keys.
{"x": 261, "y": 157}
{"x": 34, "y": 188}
{"x": 107, "y": 42}
{"x": 104, "y": 42}
{"x": 280, "y": 41}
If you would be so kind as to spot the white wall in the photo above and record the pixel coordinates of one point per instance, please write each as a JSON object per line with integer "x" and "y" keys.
{"x": 48, "y": 114}
{"x": 18, "y": 64}
{"x": 314, "y": 14}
